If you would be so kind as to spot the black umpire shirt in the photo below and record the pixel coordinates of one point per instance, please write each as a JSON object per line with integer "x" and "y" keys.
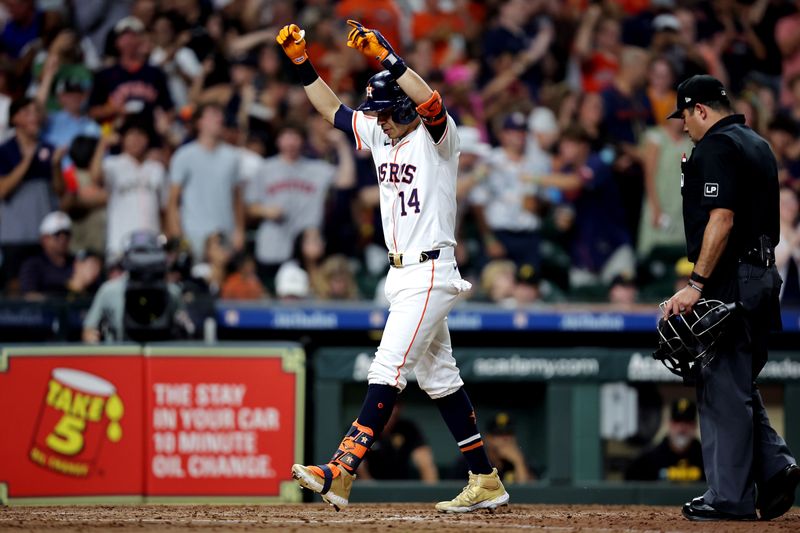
{"x": 731, "y": 167}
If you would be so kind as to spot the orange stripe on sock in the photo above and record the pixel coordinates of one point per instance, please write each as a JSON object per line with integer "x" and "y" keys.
{"x": 472, "y": 446}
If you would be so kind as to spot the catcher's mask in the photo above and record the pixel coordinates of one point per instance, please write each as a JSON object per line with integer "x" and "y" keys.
{"x": 689, "y": 339}
{"x": 384, "y": 93}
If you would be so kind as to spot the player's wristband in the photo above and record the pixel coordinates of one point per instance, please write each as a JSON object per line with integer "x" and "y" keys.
{"x": 395, "y": 65}
{"x": 695, "y": 287}
{"x": 307, "y": 73}
{"x": 698, "y": 278}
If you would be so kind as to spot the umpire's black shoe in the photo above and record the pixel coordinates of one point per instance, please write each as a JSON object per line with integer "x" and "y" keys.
{"x": 699, "y": 511}
{"x": 777, "y": 495}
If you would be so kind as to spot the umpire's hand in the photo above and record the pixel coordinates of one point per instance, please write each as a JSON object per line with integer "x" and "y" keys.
{"x": 681, "y": 302}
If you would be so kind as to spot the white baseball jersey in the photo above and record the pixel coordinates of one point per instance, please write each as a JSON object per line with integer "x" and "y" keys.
{"x": 417, "y": 180}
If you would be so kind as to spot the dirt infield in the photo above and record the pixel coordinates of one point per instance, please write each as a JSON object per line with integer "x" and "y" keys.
{"x": 367, "y": 517}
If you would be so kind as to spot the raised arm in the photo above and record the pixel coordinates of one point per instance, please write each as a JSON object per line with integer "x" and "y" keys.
{"x": 429, "y": 103}
{"x": 374, "y": 45}
{"x": 292, "y": 40}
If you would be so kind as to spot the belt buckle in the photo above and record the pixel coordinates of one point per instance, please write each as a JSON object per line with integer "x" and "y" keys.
{"x": 396, "y": 259}
{"x": 423, "y": 256}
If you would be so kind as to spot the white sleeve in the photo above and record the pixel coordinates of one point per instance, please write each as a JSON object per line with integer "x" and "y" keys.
{"x": 365, "y": 130}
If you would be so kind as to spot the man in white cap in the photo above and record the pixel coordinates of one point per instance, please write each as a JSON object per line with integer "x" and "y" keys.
{"x": 54, "y": 271}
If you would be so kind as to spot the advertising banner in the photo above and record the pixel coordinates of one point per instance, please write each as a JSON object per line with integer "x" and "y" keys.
{"x": 72, "y": 421}
{"x": 167, "y": 422}
{"x": 223, "y": 423}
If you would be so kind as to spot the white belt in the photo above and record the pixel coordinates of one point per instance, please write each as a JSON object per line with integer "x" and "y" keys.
{"x": 413, "y": 257}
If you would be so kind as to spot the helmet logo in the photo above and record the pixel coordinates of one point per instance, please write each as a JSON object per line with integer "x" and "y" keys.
{"x": 369, "y": 91}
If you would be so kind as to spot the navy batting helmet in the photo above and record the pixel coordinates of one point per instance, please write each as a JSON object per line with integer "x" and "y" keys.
{"x": 384, "y": 93}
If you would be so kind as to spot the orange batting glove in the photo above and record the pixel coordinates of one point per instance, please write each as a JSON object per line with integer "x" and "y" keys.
{"x": 293, "y": 41}
{"x": 369, "y": 42}
{"x": 374, "y": 45}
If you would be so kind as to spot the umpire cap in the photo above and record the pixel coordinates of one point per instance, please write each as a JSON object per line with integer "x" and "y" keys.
{"x": 699, "y": 89}
{"x": 383, "y": 93}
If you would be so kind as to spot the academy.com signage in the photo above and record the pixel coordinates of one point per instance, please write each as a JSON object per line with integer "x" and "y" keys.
{"x": 516, "y": 366}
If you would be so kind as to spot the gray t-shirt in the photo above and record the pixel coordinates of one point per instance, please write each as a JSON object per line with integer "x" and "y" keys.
{"x": 502, "y": 194}
{"x": 109, "y": 305}
{"x": 136, "y": 194}
{"x": 208, "y": 180}
{"x": 299, "y": 189}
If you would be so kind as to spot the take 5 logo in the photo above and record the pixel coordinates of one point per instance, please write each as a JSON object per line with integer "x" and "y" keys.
{"x": 396, "y": 173}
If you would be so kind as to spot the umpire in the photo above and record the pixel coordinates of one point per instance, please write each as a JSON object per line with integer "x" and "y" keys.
{"x": 729, "y": 186}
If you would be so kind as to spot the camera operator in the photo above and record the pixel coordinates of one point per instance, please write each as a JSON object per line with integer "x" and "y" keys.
{"x": 140, "y": 305}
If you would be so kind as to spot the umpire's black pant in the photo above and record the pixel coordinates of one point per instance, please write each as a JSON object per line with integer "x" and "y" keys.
{"x": 740, "y": 448}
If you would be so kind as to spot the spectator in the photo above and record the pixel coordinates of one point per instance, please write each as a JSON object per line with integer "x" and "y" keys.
{"x": 171, "y": 54}
{"x": 498, "y": 282}
{"x": 505, "y": 205}
{"x": 623, "y": 292}
{"x": 661, "y": 89}
{"x": 242, "y": 281}
{"x": 217, "y": 256}
{"x": 661, "y": 223}
{"x": 627, "y": 114}
{"x": 787, "y": 252}
{"x": 24, "y": 26}
{"x": 205, "y": 193}
{"x": 787, "y": 35}
{"x": 625, "y": 102}
{"x": 289, "y": 195}
{"x": 526, "y": 289}
{"x": 54, "y": 272}
{"x": 30, "y": 179}
{"x": 590, "y": 114}
{"x": 291, "y": 282}
{"x": 62, "y": 63}
{"x": 400, "y": 453}
{"x": 62, "y": 126}
{"x": 514, "y": 52}
{"x": 131, "y": 86}
{"x": 136, "y": 186}
{"x": 543, "y": 133}
{"x": 597, "y": 48}
{"x": 84, "y": 200}
{"x": 599, "y": 251}
{"x": 337, "y": 280}
{"x": 464, "y": 102}
{"x": 782, "y": 134}
{"x": 677, "y": 458}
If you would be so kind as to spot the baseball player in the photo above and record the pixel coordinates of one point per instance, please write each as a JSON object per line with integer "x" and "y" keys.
{"x": 415, "y": 146}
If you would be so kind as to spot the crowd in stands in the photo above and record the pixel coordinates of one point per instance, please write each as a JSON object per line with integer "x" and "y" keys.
{"x": 182, "y": 117}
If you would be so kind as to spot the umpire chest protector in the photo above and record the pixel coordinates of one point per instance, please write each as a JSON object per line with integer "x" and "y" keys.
{"x": 731, "y": 167}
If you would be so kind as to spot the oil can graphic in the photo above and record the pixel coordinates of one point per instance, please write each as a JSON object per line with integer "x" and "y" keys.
{"x": 79, "y": 412}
